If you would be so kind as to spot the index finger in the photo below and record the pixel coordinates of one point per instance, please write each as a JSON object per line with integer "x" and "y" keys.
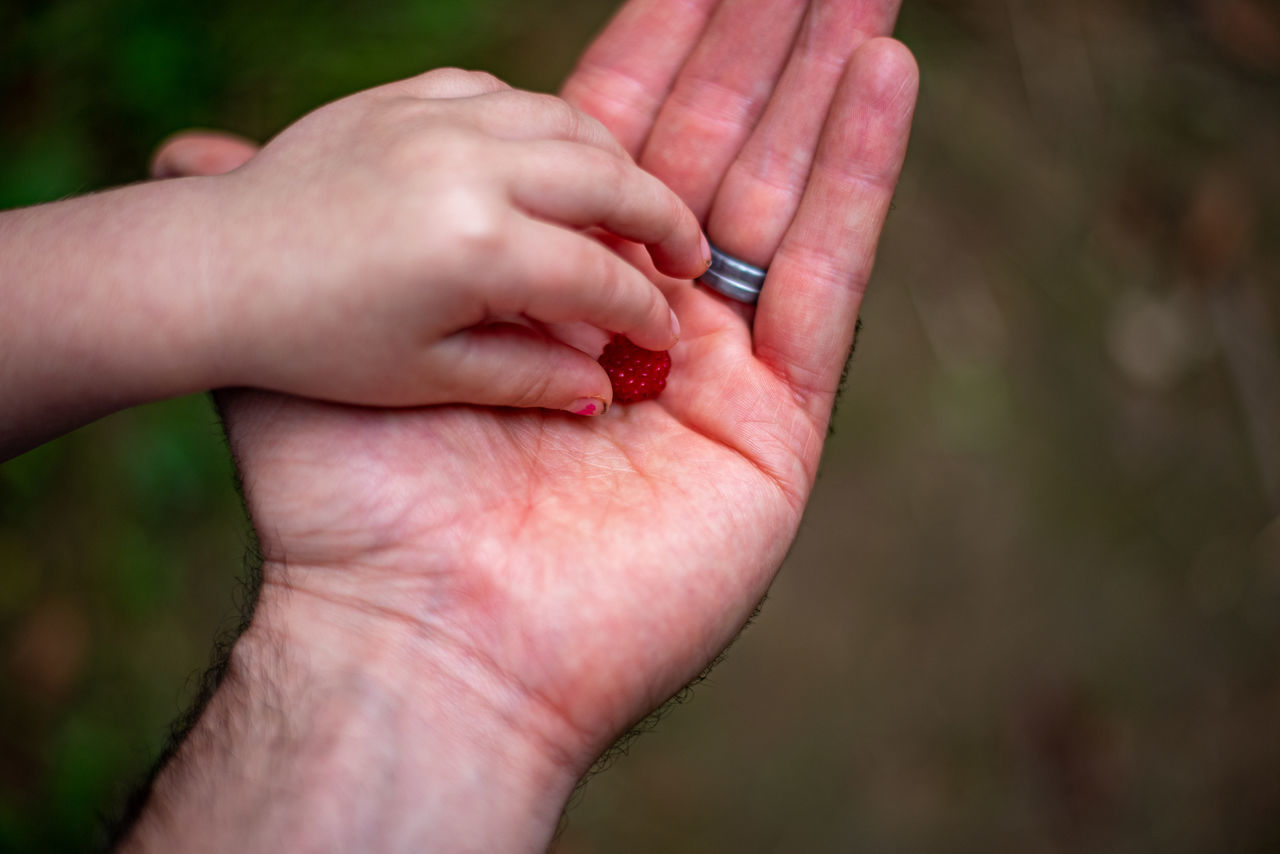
{"x": 580, "y": 186}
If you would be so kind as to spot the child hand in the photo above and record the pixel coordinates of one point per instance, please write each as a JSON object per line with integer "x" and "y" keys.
{"x": 371, "y": 252}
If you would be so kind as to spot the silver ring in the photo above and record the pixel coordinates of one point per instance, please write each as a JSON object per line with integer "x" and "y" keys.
{"x": 732, "y": 278}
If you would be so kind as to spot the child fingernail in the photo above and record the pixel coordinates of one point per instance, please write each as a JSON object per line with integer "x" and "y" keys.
{"x": 587, "y": 406}
{"x": 675, "y": 325}
{"x": 706, "y": 252}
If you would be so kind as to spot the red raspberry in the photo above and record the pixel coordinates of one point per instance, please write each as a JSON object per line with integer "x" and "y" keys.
{"x": 636, "y": 373}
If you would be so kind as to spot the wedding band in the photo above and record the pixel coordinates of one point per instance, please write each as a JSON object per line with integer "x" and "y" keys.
{"x": 733, "y": 278}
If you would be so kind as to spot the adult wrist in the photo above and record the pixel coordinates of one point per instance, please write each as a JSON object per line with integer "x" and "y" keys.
{"x": 363, "y": 731}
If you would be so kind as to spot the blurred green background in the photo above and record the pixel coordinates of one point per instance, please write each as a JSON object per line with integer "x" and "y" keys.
{"x": 1035, "y": 605}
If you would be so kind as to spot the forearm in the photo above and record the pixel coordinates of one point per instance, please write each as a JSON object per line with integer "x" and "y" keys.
{"x": 338, "y": 731}
{"x": 108, "y": 301}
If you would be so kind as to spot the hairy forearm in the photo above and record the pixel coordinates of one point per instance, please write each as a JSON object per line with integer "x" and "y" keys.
{"x": 337, "y": 731}
{"x": 106, "y": 304}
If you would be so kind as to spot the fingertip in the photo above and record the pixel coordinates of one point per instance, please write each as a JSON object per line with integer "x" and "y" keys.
{"x": 888, "y": 72}
{"x": 656, "y": 336}
{"x": 448, "y": 82}
{"x": 688, "y": 262}
{"x": 506, "y": 364}
{"x": 684, "y": 252}
{"x": 588, "y": 406}
{"x": 657, "y": 327}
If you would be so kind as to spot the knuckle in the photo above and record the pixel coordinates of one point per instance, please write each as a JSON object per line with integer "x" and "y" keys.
{"x": 596, "y": 130}
{"x": 620, "y": 171}
{"x": 459, "y": 81}
{"x": 486, "y": 82}
{"x": 608, "y": 169}
{"x": 568, "y": 122}
{"x": 441, "y": 79}
{"x": 479, "y": 230}
{"x": 564, "y": 118}
{"x": 478, "y": 227}
{"x": 428, "y": 148}
{"x": 407, "y": 152}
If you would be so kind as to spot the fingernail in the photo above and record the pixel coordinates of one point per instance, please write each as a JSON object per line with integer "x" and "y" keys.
{"x": 675, "y": 324}
{"x": 587, "y": 406}
{"x": 706, "y": 252}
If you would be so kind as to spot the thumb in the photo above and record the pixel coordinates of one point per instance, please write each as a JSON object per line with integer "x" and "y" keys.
{"x": 200, "y": 152}
{"x": 512, "y": 365}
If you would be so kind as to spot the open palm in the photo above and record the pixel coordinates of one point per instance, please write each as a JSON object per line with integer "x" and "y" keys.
{"x": 596, "y": 564}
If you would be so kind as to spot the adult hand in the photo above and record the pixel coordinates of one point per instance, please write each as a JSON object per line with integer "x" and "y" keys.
{"x": 462, "y": 606}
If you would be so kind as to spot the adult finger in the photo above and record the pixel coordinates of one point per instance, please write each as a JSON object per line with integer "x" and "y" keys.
{"x": 510, "y": 365}
{"x": 805, "y": 319}
{"x": 719, "y": 95}
{"x": 581, "y": 186}
{"x": 769, "y": 175}
{"x": 625, "y": 75}
{"x": 556, "y": 275}
{"x": 200, "y": 152}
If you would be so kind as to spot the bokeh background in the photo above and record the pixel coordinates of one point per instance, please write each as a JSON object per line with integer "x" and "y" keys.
{"x": 1035, "y": 605}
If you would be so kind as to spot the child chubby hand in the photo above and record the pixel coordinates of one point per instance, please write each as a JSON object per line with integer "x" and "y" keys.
{"x": 399, "y": 247}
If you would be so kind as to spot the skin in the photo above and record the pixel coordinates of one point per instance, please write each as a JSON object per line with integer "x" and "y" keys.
{"x": 401, "y": 247}
{"x": 463, "y": 606}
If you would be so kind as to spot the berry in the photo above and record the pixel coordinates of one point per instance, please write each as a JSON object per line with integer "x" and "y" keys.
{"x": 636, "y": 373}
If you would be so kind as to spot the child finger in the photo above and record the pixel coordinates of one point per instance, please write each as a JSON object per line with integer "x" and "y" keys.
{"x": 555, "y": 275}
{"x": 510, "y": 365}
{"x": 580, "y": 186}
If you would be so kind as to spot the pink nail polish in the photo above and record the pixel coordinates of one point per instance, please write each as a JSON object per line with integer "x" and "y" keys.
{"x": 587, "y": 406}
